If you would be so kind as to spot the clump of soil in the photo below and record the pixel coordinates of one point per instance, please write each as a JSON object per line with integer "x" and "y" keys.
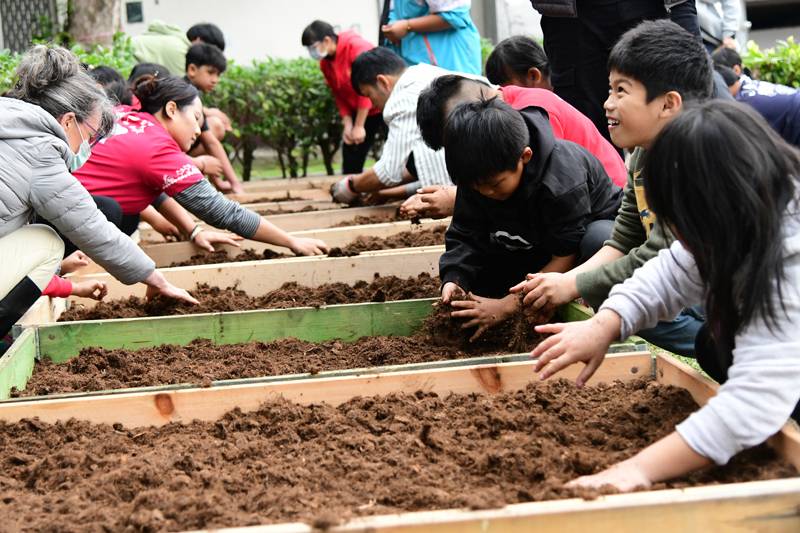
{"x": 361, "y": 220}
{"x": 215, "y": 299}
{"x": 323, "y": 465}
{"x": 271, "y": 211}
{"x": 221, "y": 256}
{"x": 363, "y": 243}
{"x": 405, "y": 239}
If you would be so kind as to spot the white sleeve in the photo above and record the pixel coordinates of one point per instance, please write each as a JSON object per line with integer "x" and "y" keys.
{"x": 401, "y": 117}
{"x": 762, "y": 389}
{"x": 730, "y": 17}
{"x": 658, "y": 290}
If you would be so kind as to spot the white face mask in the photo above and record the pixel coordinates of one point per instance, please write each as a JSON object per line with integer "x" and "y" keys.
{"x": 314, "y": 52}
{"x": 84, "y": 151}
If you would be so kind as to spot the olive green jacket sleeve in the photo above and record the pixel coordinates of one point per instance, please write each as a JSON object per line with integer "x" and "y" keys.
{"x": 630, "y": 238}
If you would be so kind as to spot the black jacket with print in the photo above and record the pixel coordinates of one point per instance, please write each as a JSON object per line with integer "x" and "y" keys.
{"x": 563, "y": 188}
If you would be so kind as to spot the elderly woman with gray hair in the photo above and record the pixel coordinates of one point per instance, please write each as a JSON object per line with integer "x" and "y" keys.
{"x": 48, "y": 125}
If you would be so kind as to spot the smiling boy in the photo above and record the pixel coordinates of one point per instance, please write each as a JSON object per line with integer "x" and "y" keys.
{"x": 655, "y": 69}
{"x": 526, "y": 202}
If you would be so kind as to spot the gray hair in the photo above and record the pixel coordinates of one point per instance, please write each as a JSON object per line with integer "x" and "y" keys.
{"x": 53, "y": 78}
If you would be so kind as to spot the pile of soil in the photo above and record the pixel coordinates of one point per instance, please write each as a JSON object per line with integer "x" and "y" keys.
{"x": 362, "y": 243}
{"x": 405, "y": 239}
{"x": 323, "y": 465}
{"x": 214, "y": 299}
{"x": 268, "y": 212}
{"x": 361, "y": 220}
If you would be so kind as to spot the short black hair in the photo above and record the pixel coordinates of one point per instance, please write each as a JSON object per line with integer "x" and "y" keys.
{"x": 729, "y": 76}
{"x": 207, "y": 33}
{"x": 142, "y": 69}
{"x": 664, "y": 57}
{"x": 431, "y": 105}
{"x": 482, "y": 139}
{"x": 368, "y": 65}
{"x": 514, "y": 57}
{"x": 316, "y": 31}
{"x": 727, "y": 57}
{"x": 201, "y": 54}
{"x": 115, "y": 86}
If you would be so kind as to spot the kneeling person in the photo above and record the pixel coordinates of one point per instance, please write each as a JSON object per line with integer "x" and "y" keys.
{"x": 526, "y": 202}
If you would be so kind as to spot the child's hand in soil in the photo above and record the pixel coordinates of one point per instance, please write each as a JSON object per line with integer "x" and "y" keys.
{"x": 168, "y": 230}
{"x": 207, "y": 239}
{"x": 625, "y": 477}
{"x": 451, "y": 291}
{"x": 305, "y": 246}
{"x": 484, "y": 312}
{"x": 91, "y": 288}
{"x": 547, "y": 289}
{"x": 74, "y": 261}
{"x": 438, "y": 201}
{"x": 157, "y": 285}
{"x": 586, "y": 341}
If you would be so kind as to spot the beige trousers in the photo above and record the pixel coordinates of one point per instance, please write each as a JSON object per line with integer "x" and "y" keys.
{"x": 34, "y": 251}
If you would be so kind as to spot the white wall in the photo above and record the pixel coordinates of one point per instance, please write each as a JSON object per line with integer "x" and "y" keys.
{"x": 517, "y": 17}
{"x": 255, "y": 29}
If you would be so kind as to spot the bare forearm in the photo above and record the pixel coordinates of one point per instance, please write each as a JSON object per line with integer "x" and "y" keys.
{"x": 668, "y": 458}
{"x": 272, "y": 234}
{"x": 361, "y": 117}
{"x": 172, "y": 211}
{"x": 559, "y": 264}
{"x": 393, "y": 193}
{"x": 214, "y": 148}
{"x": 367, "y": 181}
{"x": 428, "y": 24}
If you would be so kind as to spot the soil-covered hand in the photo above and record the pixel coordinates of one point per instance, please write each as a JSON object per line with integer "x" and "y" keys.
{"x": 625, "y": 477}
{"x": 157, "y": 284}
{"x": 586, "y": 341}
{"x": 483, "y": 313}
{"x": 341, "y": 192}
{"x": 207, "y": 239}
{"x": 412, "y": 207}
{"x": 547, "y": 289}
{"x": 74, "y": 261}
{"x": 438, "y": 201}
{"x": 452, "y": 291}
{"x": 306, "y": 246}
{"x": 91, "y": 288}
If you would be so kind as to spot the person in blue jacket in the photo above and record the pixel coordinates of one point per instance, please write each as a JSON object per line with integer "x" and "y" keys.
{"x": 437, "y": 32}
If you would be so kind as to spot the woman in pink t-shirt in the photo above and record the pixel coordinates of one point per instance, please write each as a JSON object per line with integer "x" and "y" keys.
{"x": 145, "y": 157}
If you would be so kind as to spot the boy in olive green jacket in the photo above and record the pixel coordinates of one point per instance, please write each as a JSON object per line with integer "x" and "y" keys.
{"x": 655, "y": 69}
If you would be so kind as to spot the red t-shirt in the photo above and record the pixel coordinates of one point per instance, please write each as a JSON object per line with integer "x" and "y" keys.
{"x": 571, "y": 125}
{"x": 337, "y": 73}
{"x": 139, "y": 161}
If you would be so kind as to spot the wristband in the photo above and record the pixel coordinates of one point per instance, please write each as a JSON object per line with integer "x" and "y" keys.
{"x": 408, "y": 26}
{"x": 197, "y": 229}
{"x": 350, "y": 185}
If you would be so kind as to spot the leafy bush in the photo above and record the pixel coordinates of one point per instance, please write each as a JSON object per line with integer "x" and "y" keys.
{"x": 284, "y": 104}
{"x": 486, "y": 48}
{"x": 118, "y": 56}
{"x": 780, "y": 64}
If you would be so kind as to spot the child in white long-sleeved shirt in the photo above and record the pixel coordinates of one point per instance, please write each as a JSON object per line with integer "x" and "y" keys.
{"x": 727, "y": 186}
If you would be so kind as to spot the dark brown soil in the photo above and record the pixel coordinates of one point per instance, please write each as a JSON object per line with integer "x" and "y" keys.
{"x": 214, "y": 299}
{"x": 268, "y": 211}
{"x": 202, "y": 361}
{"x": 405, "y": 239}
{"x": 322, "y": 465}
{"x": 360, "y": 220}
{"x": 362, "y": 243}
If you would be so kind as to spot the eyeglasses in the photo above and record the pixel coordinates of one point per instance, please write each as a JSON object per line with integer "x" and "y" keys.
{"x": 95, "y": 137}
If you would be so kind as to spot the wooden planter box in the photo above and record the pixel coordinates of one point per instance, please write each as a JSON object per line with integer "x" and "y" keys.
{"x": 756, "y": 506}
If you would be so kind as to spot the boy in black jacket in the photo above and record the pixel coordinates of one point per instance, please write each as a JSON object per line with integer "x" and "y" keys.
{"x": 526, "y": 202}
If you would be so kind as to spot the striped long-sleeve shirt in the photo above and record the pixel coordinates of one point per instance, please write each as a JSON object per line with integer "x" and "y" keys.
{"x": 400, "y": 115}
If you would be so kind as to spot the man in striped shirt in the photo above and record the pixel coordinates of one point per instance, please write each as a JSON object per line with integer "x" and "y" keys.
{"x": 407, "y": 162}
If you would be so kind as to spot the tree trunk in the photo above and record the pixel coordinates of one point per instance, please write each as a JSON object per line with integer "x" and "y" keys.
{"x": 94, "y": 21}
{"x": 247, "y": 159}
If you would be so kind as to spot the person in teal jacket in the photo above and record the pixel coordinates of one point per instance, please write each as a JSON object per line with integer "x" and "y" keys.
{"x": 437, "y": 32}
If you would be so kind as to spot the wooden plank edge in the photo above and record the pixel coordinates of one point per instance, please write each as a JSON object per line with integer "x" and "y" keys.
{"x": 16, "y": 365}
{"x": 159, "y": 408}
{"x": 753, "y": 506}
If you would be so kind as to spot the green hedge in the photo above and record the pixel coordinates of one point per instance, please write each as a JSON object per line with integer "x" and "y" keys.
{"x": 780, "y": 64}
{"x": 283, "y": 104}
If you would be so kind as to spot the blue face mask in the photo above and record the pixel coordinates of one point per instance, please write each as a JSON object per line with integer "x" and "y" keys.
{"x": 84, "y": 151}
{"x": 314, "y": 52}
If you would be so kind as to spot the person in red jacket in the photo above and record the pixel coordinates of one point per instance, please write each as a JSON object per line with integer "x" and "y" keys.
{"x": 362, "y": 121}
